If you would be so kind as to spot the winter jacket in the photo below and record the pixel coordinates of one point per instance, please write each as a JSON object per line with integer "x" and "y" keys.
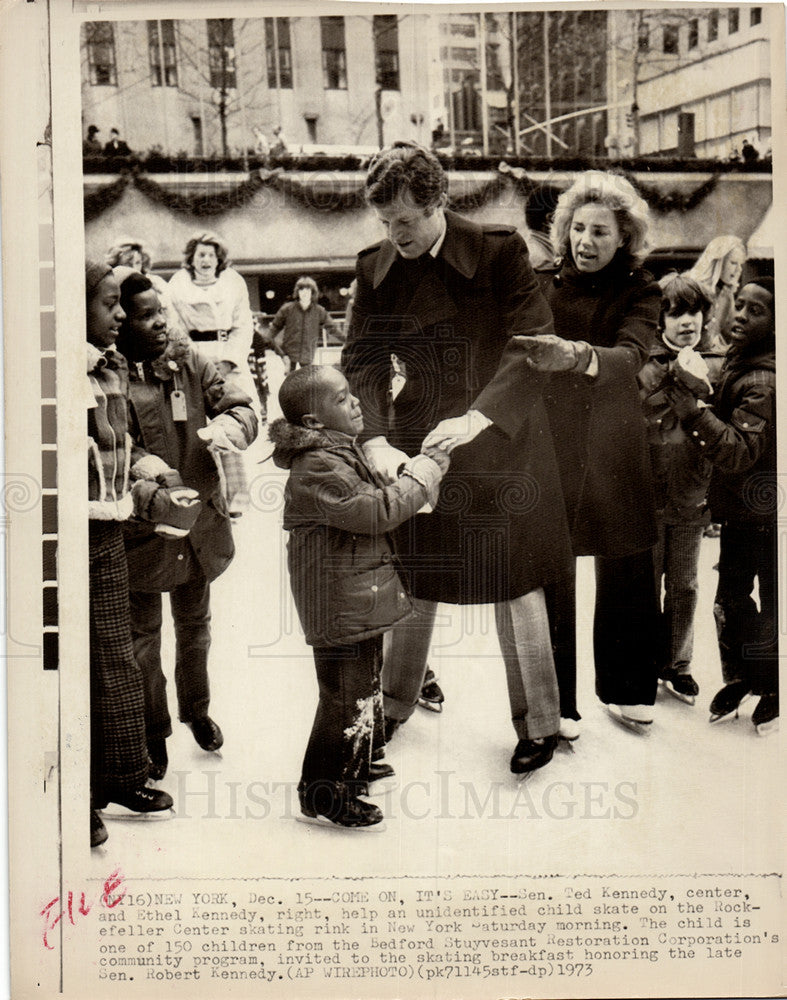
{"x": 342, "y": 566}
{"x": 156, "y": 563}
{"x": 499, "y": 530}
{"x": 221, "y": 307}
{"x": 301, "y": 330}
{"x": 123, "y": 481}
{"x": 737, "y": 435}
{"x": 681, "y": 474}
{"x": 597, "y": 422}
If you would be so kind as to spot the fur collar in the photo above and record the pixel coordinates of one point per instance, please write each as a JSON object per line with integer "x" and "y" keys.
{"x": 291, "y": 440}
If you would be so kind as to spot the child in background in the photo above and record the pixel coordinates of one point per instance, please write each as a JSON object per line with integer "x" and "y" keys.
{"x": 681, "y": 476}
{"x": 738, "y": 437}
{"x": 344, "y": 581}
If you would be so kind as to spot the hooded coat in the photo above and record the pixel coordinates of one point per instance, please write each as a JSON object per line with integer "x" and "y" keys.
{"x": 499, "y": 530}
{"x": 157, "y": 564}
{"x": 343, "y": 571}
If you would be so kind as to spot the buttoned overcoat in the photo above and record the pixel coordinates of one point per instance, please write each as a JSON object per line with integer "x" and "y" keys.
{"x": 499, "y": 529}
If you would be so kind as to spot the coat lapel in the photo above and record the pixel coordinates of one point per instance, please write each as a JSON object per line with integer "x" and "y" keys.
{"x": 431, "y": 301}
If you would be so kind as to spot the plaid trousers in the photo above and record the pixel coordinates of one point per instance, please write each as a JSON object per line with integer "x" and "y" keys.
{"x": 118, "y": 749}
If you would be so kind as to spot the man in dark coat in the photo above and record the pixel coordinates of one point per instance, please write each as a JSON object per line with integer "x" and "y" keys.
{"x": 116, "y": 146}
{"x": 430, "y": 356}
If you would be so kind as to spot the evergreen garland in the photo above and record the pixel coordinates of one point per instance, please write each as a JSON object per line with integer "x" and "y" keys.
{"x": 98, "y": 202}
{"x": 348, "y": 197}
{"x": 672, "y": 201}
{"x": 201, "y": 204}
{"x": 323, "y": 198}
{"x": 470, "y": 201}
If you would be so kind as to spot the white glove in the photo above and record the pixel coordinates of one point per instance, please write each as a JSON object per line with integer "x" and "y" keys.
{"x": 215, "y": 436}
{"x": 454, "y": 431}
{"x": 384, "y": 459}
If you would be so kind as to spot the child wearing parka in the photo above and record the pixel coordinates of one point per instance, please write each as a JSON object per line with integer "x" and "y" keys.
{"x": 344, "y": 581}
{"x": 737, "y": 435}
{"x": 681, "y": 475}
{"x": 183, "y": 410}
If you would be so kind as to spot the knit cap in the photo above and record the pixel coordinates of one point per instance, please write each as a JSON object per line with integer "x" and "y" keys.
{"x": 94, "y": 275}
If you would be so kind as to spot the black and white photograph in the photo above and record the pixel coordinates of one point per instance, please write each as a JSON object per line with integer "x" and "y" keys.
{"x": 392, "y": 597}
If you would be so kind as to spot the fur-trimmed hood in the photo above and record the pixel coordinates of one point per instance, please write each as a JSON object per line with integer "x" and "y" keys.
{"x": 291, "y": 440}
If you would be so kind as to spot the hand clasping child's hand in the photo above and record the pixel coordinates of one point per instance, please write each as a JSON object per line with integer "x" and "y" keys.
{"x": 442, "y": 458}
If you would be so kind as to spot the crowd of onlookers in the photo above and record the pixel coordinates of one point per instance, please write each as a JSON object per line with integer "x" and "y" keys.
{"x": 496, "y": 415}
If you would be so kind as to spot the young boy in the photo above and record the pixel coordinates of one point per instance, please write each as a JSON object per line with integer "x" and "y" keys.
{"x": 681, "y": 476}
{"x": 346, "y": 588}
{"x": 738, "y": 437}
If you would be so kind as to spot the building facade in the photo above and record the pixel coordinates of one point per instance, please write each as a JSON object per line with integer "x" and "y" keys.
{"x": 691, "y": 81}
{"x": 202, "y": 87}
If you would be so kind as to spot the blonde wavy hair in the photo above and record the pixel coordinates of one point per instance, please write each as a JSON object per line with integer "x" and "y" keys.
{"x": 711, "y": 261}
{"x": 615, "y": 193}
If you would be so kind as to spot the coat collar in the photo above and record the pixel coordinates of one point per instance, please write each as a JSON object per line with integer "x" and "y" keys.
{"x": 461, "y": 249}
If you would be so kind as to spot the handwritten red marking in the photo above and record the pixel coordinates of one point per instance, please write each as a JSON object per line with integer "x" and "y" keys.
{"x": 53, "y": 913}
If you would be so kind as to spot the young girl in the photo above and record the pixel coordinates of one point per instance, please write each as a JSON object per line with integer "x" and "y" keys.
{"x": 681, "y": 477}
{"x": 719, "y": 270}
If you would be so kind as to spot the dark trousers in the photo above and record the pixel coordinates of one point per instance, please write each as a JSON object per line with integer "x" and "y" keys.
{"x": 190, "y": 604}
{"x": 118, "y": 752}
{"x": 676, "y": 556}
{"x": 748, "y": 636}
{"x": 625, "y": 633}
{"x": 348, "y": 725}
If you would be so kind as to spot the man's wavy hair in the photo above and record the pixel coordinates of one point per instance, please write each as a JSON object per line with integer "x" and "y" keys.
{"x": 210, "y": 239}
{"x": 615, "y": 193}
{"x": 406, "y": 168}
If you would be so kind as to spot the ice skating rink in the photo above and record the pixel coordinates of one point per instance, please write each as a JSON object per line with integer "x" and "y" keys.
{"x": 688, "y": 797}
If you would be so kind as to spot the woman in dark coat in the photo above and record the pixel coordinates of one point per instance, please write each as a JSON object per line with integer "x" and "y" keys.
{"x": 605, "y": 309}
{"x": 438, "y": 304}
{"x": 180, "y": 405}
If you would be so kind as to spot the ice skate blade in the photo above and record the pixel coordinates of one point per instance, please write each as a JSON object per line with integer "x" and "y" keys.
{"x": 687, "y": 699}
{"x": 766, "y": 728}
{"x": 121, "y": 813}
{"x": 632, "y": 725}
{"x": 431, "y": 706}
{"x": 327, "y": 824}
{"x": 382, "y": 787}
{"x": 733, "y": 712}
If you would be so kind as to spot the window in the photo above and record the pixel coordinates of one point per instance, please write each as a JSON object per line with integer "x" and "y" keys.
{"x": 161, "y": 50}
{"x": 386, "y": 50}
{"x": 671, "y": 32}
{"x": 100, "y": 38}
{"x": 334, "y": 53}
{"x": 464, "y": 55}
{"x": 278, "y": 52}
{"x": 464, "y": 28}
{"x": 643, "y": 37}
{"x": 756, "y": 16}
{"x": 694, "y": 32}
{"x": 713, "y": 25}
{"x": 221, "y": 53}
{"x": 733, "y": 20}
{"x": 494, "y": 71}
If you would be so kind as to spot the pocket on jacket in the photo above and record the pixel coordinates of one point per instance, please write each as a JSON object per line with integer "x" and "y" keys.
{"x": 369, "y": 600}
{"x": 745, "y": 420}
